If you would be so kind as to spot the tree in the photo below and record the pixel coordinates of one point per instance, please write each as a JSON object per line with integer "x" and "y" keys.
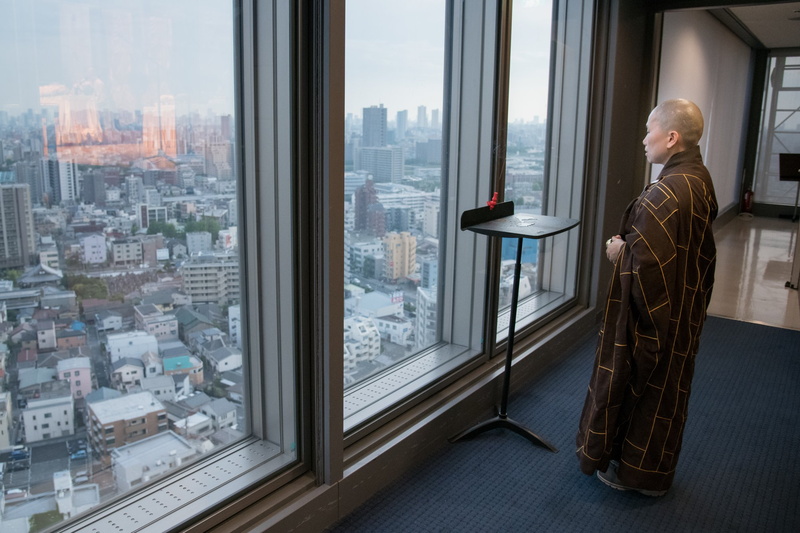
{"x": 86, "y": 287}
{"x": 164, "y": 228}
{"x": 207, "y": 224}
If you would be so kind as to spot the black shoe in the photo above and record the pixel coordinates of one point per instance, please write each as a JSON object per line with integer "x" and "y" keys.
{"x": 609, "y": 477}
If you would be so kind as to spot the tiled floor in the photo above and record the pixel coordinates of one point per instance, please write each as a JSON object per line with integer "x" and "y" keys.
{"x": 754, "y": 262}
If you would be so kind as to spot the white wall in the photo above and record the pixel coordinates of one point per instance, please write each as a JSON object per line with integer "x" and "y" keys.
{"x": 701, "y": 60}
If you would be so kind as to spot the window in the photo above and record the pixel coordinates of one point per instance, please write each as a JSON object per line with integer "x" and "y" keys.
{"x": 411, "y": 127}
{"x": 122, "y": 108}
{"x": 535, "y": 180}
{"x": 780, "y": 130}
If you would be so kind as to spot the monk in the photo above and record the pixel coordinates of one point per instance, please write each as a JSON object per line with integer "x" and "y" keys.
{"x": 631, "y": 426}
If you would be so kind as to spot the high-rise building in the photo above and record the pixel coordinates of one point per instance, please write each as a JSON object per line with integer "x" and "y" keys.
{"x": 61, "y": 180}
{"x": 422, "y": 117}
{"x": 402, "y": 124}
{"x": 212, "y": 278}
{"x": 400, "y": 255}
{"x": 30, "y": 173}
{"x": 385, "y": 163}
{"x": 369, "y": 213}
{"x": 374, "y": 126}
{"x": 18, "y": 242}
{"x": 435, "y": 119}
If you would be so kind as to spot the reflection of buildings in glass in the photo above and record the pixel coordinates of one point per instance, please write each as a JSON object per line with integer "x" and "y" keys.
{"x": 16, "y": 226}
{"x": 158, "y": 128}
{"x": 369, "y": 216}
{"x": 219, "y": 159}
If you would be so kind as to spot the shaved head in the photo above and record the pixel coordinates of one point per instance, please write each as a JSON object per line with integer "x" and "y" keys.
{"x": 682, "y": 116}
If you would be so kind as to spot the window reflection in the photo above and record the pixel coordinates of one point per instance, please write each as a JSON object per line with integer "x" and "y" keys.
{"x": 119, "y": 287}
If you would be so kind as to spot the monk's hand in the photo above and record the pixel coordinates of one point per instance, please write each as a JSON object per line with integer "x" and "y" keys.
{"x": 614, "y": 247}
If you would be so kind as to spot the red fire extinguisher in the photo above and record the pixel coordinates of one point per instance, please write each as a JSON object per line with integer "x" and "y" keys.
{"x": 747, "y": 201}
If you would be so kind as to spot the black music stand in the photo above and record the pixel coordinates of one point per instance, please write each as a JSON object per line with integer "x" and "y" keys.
{"x": 789, "y": 168}
{"x": 500, "y": 221}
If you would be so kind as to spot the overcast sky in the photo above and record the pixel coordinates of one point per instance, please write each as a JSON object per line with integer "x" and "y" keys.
{"x": 127, "y": 52}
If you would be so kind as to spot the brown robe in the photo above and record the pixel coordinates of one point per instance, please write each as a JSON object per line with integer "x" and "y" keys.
{"x": 638, "y": 395}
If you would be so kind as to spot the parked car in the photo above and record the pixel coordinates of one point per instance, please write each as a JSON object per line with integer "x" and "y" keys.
{"x": 13, "y": 494}
{"x": 77, "y": 480}
{"x": 19, "y": 452}
{"x": 80, "y": 454}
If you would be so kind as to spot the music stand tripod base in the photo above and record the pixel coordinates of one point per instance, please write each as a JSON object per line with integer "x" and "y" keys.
{"x": 498, "y": 220}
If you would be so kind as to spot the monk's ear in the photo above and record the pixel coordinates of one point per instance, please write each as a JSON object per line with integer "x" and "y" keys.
{"x": 673, "y": 138}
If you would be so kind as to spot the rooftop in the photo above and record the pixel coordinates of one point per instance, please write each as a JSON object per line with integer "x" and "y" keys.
{"x": 126, "y": 407}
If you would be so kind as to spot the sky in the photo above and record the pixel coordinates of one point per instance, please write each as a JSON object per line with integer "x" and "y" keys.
{"x": 124, "y": 53}
{"x": 395, "y": 56}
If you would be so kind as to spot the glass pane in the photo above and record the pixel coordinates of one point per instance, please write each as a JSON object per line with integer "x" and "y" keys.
{"x": 526, "y": 181}
{"x": 780, "y": 131}
{"x": 393, "y": 178}
{"x": 120, "y": 265}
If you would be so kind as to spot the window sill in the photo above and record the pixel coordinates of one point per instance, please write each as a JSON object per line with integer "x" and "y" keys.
{"x": 180, "y": 497}
{"x": 529, "y": 310}
{"x": 369, "y": 398}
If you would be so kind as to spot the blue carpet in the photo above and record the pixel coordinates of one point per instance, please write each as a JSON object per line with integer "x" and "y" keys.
{"x": 739, "y": 469}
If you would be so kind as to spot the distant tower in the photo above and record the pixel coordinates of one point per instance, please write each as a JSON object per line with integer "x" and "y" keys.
{"x": 422, "y": 117}
{"x": 402, "y": 124}
{"x": 374, "y": 126}
{"x": 435, "y": 120}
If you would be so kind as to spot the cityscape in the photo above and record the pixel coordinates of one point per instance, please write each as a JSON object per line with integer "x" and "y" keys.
{"x": 121, "y": 348}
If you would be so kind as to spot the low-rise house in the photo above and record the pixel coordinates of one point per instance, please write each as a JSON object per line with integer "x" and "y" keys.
{"x": 108, "y": 321}
{"x": 222, "y": 413}
{"x": 189, "y": 365}
{"x": 78, "y": 371}
{"x": 48, "y": 417}
{"x": 225, "y": 358}
{"x": 127, "y": 372}
{"x": 139, "y": 462}
{"x": 162, "y": 387}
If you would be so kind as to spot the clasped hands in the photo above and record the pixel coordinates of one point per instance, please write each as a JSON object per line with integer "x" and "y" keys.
{"x": 614, "y": 247}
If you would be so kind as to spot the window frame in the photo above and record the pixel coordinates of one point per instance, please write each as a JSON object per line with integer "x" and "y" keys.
{"x": 468, "y": 113}
{"x": 266, "y": 59}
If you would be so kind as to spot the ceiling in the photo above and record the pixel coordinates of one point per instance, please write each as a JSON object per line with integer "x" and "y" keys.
{"x": 774, "y": 25}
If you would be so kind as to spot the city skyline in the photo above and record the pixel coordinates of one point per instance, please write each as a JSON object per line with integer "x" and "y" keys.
{"x": 112, "y": 56}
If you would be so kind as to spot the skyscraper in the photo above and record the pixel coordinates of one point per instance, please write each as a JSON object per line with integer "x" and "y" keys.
{"x": 17, "y": 244}
{"x": 402, "y": 124}
{"x": 422, "y": 117}
{"x": 374, "y": 126}
{"x": 61, "y": 180}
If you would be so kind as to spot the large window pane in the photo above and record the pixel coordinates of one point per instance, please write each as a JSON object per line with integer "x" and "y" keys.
{"x": 780, "y": 130}
{"x": 544, "y": 154}
{"x": 125, "y": 351}
{"x": 393, "y": 182}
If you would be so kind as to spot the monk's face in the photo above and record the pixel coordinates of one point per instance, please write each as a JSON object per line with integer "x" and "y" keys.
{"x": 658, "y": 141}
